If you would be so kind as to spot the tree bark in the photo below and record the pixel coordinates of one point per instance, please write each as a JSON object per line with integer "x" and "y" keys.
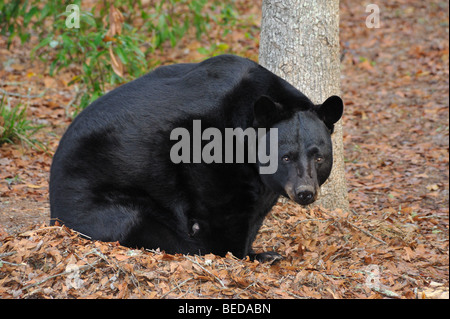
{"x": 300, "y": 43}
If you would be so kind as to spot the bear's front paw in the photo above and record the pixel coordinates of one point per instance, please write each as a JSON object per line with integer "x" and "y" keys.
{"x": 268, "y": 257}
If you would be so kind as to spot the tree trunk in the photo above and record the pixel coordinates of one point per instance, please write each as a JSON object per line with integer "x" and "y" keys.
{"x": 300, "y": 43}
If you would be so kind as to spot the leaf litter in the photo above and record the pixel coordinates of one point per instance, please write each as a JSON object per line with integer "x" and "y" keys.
{"x": 326, "y": 255}
{"x": 392, "y": 244}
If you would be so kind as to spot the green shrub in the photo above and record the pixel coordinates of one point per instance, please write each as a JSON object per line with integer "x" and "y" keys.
{"x": 15, "y": 127}
{"x": 100, "y": 55}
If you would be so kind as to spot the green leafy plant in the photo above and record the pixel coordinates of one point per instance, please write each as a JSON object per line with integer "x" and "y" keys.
{"x": 115, "y": 40}
{"x": 98, "y": 56}
{"x": 15, "y": 127}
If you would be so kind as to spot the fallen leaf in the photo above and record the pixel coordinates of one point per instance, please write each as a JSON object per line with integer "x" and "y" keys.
{"x": 116, "y": 63}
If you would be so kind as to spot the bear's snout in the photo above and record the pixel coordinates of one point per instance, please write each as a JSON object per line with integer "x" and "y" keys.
{"x": 305, "y": 194}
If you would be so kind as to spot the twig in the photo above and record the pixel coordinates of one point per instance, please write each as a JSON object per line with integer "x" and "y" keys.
{"x": 206, "y": 270}
{"x": 177, "y": 286}
{"x": 12, "y": 264}
{"x": 11, "y": 83}
{"x": 20, "y": 95}
{"x": 296, "y": 296}
{"x": 66, "y": 272}
{"x": 367, "y": 233}
{"x": 76, "y": 232}
{"x": 8, "y": 254}
{"x": 386, "y": 292}
{"x": 96, "y": 252}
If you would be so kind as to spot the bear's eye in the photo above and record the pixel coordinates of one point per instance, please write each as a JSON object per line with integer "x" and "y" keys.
{"x": 319, "y": 159}
{"x": 285, "y": 158}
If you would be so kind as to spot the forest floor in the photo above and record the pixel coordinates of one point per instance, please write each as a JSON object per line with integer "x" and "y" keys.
{"x": 392, "y": 244}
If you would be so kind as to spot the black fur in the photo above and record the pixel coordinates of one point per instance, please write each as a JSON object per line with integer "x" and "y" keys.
{"x": 112, "y": 178}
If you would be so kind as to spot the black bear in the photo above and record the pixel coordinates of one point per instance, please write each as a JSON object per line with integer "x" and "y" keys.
{"x": 118, "y": 175}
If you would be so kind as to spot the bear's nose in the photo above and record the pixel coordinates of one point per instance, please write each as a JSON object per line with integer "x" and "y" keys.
{"x": 305, "y": 195}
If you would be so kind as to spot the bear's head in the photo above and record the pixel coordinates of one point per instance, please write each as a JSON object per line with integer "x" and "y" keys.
{"x": 305, "y": 155}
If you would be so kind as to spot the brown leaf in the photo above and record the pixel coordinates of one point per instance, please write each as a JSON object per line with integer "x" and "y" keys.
{"x": 115, "y": 22}
{"x": 116, "y": 63}
{"x": 120, "y": 256}
{"x": 410, "y": 254}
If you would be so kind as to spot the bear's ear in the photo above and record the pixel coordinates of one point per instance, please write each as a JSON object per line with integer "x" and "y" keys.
{"x": 330, "y": 111}
{"x": 265, "y": 111}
